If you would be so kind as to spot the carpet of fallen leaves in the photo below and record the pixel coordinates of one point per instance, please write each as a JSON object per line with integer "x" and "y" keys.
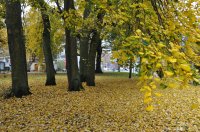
{"x": 115, "y": 104}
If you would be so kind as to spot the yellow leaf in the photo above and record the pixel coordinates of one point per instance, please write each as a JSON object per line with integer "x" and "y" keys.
{"x": 149, "y": 108}
{"x": 141, "y": 53}
{"x": 196, "y": 80}
{"x": 158, "y": 65}
{"x": 147, "y": 100}
{"x": 147, "y": 88}
{"x": 157, "y": 79}
{"x": 161, "y": 45}
{"x": 172, "y": 85}
{"x": 158, "y": 94}
{"x": 144, "y": 60}
{"x": 172, "y": 60}
{"x": 148, "y": 94}
{"x": 138, "y": 31}
{"x": 168, "y": 73}
{"x": 185, "y": 67}
{"x": 115, "y": 54}
{"x": 194, "y": 106}
{"x": 153, "y": 86}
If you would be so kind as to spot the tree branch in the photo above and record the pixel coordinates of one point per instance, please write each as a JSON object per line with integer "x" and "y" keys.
{"x": 59, "y": 7}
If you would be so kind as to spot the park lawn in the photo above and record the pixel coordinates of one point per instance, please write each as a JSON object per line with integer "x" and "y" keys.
{"x": 115, "y": 104}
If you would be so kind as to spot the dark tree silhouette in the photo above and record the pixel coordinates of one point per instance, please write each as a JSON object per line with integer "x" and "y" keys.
{"x": 16, "y": 49}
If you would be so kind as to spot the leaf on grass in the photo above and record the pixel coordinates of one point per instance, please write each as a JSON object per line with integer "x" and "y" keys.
{"x": 158, "y": 94}
{"x": 147, "y": 100}
{"x": 149, "y": 108}
{"x": 148, "y": 94}
{"x": 194, "y": 106}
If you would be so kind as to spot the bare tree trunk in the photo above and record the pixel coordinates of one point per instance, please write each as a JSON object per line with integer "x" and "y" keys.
{"x": 50, "y": 71}
{"x": 83, "y": 58}
{"x": 118, "y": 66}
{"x": 130, "y": 68}
{"x": 71, "y": 54}
{"x": 90, "y": 80}
{"x": 17, "y": 49}
{"x": 98, "y": 58}
{"x": 84, "y": 45}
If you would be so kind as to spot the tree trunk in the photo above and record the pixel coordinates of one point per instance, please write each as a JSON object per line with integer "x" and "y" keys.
{"x": 130, "y": 68}
{"x": 16, "y": 49}
{"x": 83, "y": 58}
{"x": 74, "y": 82}
{"x": 84, "y": 44}
{"x": 90, "y": 80}
{"x": 98, "y": 58}
{"x": 118, "y": 66}
{"x": 50, "y": 71}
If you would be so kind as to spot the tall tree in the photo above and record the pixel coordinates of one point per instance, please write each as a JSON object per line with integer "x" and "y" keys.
{"x": 50, "y": 71}
{"x": 33, "y": 34}
{"x": 16, "y": 48}
{"x": 71, "y": 53}
{"x": 89, "y": 44}
{"x": 84, "y": 44}
{"x": 90, "y": 78}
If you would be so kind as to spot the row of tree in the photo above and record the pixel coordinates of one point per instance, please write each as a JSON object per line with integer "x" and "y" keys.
{"x": 88, "y": 46}
{"x": 152, "y": 31}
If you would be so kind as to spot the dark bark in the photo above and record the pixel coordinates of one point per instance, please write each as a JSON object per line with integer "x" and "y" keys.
{"x": 50, "y": 71}
{"x": 130, "y": 68}
{"x": 154, "y": 4}
{"x": 160, "y": 73}
{"x": 118, "y": 66}
{"x": 84, "y": 44}
{"x": 83, "y": 58}
{"x": 90, "y": 79}
{"x": 74, "y": 82}
{"x": 98, "y": 58}
{"x": 16, "y": 49}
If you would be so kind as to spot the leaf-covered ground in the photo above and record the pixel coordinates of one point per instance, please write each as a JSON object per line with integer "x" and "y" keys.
{"x": 115, "y": 104}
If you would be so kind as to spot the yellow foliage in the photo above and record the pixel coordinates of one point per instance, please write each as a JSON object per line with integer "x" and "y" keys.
{"x": 171, "y": 59}
{"x": 185, "y": 67}
{"x": 158, "y": 65}
{"x": 168, "y": 73}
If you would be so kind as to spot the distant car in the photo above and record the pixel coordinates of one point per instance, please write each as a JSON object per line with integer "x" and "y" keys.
{"x": 2, "y": 66}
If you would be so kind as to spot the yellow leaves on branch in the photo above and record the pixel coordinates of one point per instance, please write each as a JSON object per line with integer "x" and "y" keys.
{"x": 171, "y": 59}
{"x": 185, "y": 67}
{"x": 168, "y": 73}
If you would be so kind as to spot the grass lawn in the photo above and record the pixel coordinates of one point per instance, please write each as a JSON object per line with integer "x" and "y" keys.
{"x": 115, "y": 104}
